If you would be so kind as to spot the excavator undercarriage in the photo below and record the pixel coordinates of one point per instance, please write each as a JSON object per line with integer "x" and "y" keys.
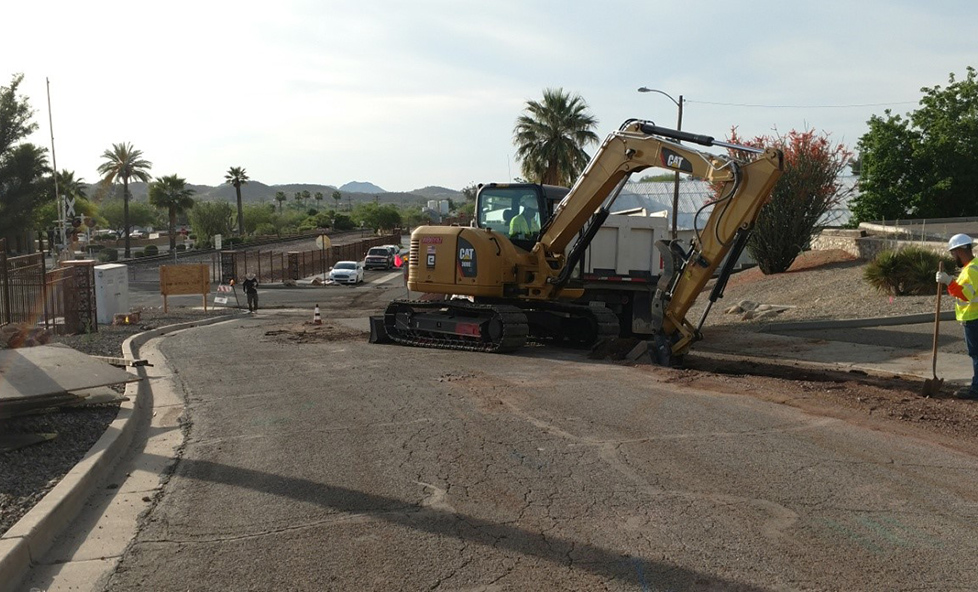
{"x": 496, "y": 327}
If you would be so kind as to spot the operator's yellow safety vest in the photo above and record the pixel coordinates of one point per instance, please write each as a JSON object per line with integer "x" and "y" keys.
{"x": 968, "y": 280}
{"x": 519, "y": 226}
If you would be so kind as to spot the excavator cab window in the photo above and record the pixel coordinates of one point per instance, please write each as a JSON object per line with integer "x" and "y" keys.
{"x": 512, "y": 210}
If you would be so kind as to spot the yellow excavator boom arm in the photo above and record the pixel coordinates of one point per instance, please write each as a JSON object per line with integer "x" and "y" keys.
{"x": 744, "y": 188}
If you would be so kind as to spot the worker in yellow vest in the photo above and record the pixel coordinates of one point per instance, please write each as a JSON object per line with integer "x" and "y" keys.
{"x": 526, "y": 224}
{"x": 964, "y": 288}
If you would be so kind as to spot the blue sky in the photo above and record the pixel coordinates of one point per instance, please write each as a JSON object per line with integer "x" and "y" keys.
{"x": 409, "y": 94}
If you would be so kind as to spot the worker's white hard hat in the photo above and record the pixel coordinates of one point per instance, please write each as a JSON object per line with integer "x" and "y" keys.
{"x": 959, "y": 240}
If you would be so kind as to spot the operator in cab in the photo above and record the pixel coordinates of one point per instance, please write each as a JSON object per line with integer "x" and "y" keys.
{"x": 526, "y": 224}
{"x": 964, "y": 288}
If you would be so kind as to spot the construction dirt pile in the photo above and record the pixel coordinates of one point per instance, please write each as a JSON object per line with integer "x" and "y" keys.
{"x": 819, "y": 285}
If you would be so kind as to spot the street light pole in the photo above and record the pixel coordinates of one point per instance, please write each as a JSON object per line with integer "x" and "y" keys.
{"x": 679, "y": 127}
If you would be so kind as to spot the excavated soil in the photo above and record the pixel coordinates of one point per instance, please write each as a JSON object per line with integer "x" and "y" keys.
{"x": 309, "y": 332}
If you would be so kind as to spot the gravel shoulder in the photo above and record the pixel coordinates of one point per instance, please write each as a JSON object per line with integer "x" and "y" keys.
{"x": 27, "y": 474}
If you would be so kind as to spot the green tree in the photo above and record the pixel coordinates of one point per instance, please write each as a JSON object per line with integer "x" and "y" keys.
{"x": 924, "y": 165}
{"x": 376, "y": 216}
{"x": 69, "y": 186}
{"x": 171, "y": 193}
{"x": 670, "y": 177}
{"x": 551, "y": 135}
{"x": 337, "y": 196}
{"x": 343, "y": 222}
{"x": 809, "y": 187}
{"x": 470, "y": 192}
{"x": 280, "y": 198}
{"x": 319, "y": 198}
{"x": 256, "y": 215}
{"x": 210, "y": 218}
{"x": 22, "y": 165}
{"x": 236, "y": 177}
{"x": 113, "y": 211}
{"x": 122, "y": 161}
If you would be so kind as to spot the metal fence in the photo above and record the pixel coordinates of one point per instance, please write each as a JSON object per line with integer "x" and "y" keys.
{"x": 32, "y": 295}
{"x": 271, "y": 266}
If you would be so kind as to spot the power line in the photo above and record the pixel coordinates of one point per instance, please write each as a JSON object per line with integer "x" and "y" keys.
{"x": 803, "y": 106}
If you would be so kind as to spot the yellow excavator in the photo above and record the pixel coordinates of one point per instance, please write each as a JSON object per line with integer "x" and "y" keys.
{"x": 508, "y": 278}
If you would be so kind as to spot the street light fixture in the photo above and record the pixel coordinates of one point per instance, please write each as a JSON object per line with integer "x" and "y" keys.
{"x": 679, "y": 127}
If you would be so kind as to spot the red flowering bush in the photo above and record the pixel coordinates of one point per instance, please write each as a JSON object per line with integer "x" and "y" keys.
{"x": 807, "y": 190}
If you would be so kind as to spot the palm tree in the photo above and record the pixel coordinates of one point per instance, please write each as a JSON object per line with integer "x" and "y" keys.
{"x": 237, "y": 177}
{"x": 280, "y": 198}
{"x": 319, "y": 199}
{"x": 337, "y": 196}
{"x": 550, "y": 138}
{"x": 170, "y": 193}
{"x": 69, "y": 186}
{"x": 124, "y": 162}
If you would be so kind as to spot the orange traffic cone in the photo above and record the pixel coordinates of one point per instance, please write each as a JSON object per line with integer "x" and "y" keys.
{"x": 316, "y": 319}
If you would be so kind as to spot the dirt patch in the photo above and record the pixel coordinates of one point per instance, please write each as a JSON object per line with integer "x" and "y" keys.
{"x": 888, "y": 403}
{"x": 827, "y": 285}
{"x": 308, "y": 332}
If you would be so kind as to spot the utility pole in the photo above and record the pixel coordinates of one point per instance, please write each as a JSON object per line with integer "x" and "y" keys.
{"x": 679, "y": 127}
{"x": 54, "y": 164}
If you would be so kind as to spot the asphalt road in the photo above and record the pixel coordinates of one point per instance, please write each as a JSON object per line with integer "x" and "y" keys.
{"x": 334, "y": 464}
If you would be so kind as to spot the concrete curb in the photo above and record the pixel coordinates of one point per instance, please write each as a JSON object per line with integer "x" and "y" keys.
{"x": 34, "y": 534}
{"x": 853, "y": 323}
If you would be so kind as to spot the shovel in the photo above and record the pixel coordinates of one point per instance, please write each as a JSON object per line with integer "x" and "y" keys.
{"x": 932, "y": 386}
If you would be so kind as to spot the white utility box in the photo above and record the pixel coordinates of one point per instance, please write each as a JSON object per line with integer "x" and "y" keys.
{"x": 111, "y": 291}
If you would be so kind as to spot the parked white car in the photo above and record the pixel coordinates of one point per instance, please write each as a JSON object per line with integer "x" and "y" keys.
{"x": 346, "y": 272}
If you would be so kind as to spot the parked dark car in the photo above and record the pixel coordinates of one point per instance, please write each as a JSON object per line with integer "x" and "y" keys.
{"x": 378, "y": 258}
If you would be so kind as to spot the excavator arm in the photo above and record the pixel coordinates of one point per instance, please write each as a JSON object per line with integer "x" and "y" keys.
{"x": 744, "y": 188}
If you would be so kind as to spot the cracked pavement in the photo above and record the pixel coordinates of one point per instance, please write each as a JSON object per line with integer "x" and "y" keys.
{"x": 341, "y": 465}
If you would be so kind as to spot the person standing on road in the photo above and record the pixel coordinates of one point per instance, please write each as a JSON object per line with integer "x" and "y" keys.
{"x": 964, "y": 288}
{"x": 250, "y": 286}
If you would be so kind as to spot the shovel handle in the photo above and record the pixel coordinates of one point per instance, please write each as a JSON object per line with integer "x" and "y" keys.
{"x": 937, "y": 322}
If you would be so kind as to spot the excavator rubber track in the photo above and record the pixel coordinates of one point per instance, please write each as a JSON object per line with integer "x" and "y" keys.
{"x": 456, "y": 324}
{"x": 583, "y": 326}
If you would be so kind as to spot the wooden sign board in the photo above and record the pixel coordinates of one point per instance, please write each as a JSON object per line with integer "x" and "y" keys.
{"x": 184, "y": 279}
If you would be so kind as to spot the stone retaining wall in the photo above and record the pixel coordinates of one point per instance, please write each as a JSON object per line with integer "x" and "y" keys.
{"x": 858, "y": 244}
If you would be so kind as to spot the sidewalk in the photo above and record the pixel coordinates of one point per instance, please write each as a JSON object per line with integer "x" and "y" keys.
{"x": 843, "y": 346}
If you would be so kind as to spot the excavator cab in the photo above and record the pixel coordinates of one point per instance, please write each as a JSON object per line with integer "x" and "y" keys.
{"x": 517, "y": 210}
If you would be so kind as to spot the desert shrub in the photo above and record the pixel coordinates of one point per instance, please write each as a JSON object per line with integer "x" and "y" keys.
{"x": 139, "y": 254}
{"x": 265, "y": 229}
{"x": 151, "y": 250}
{"x": 905, "y": 272}
{"x": 181, "y": 247}
{"x": 108, "y": 255}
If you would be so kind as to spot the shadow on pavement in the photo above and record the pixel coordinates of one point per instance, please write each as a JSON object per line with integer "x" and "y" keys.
{"x": 605, "y": 563}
